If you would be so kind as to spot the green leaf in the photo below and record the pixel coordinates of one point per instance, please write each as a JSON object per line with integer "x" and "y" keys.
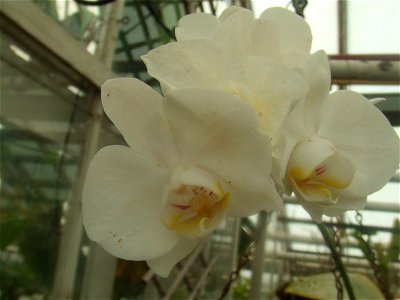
{"x": 11, "y": 230}
{"x": 394, "y": 247}
{"x": 322, "y": 286}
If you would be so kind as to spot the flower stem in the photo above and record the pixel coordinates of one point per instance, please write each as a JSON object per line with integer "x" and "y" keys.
{"x": 327, "y": 235}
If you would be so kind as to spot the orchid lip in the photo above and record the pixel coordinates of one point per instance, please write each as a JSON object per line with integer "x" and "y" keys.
{"x": 180, "y": 206}
{"x": 194, "y": 211}
{"x": 318, "y": 171}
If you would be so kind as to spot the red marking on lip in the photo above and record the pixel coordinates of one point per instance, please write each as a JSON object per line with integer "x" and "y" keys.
{"x": 320, "y": 170}
{"x": 180, "y": 206}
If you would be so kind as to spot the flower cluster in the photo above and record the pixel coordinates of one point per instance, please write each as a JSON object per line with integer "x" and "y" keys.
{"x": 246, "y": 115}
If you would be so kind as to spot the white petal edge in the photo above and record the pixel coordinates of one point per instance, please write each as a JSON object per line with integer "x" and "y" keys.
{"x": 233, "y": 35}
{"x": 294, "y": 30}
{"x": 265, "y": 39}
{"x": 196, "y": 63}
{"x": 121, "y": 204}
{"x": 345, "y": 204}
{"x": 274, "y": 90}
{"x": 293, "y": 132}
{"x": 364, "y": 135}
{"x": 135, "y": 109}
{"x": 219, "y": 133}
{"x": 318, "y": 76}
{"x": 228, "y": 12}
{"x": 246, "y": 203}
{"x": 314, "y": 209}
{"x": 196, "y": 26}
{"x": 163, "y": 265}
{"x": 307, "y": 155}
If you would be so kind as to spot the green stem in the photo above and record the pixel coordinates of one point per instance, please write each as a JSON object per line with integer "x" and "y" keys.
{"x": 336, "y": 257}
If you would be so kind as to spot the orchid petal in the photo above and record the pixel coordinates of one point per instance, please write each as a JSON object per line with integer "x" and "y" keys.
{"x": 341, "y": 206}
{"x": 220, "y": 133}
{"x": 375, "y": 101}
{"x": 233, "y": 35}
{"x": 273, "y": 91}
{"x": 314, "y": 209}
{"x": 337, "y": 172}
{"x": 293, "y": 58}
{"x": 265, "y": 39}
{"x": 293, "y": 132}
{"x": 163, "y": 265}
{"x": 314, "y": 194}
{"x": 362, "y": 134}
{"x": 135, "y": 108}
{"x": 345, "y": 204}
{"x": 187, "y": 64}
{"x": 200, "y": 177}
{"x": 318, "y": 172}
{"x": 228, "y": 12}
{"x": 123, "y": 191}
{"x": 196, "y": 26}
{"x": 318, "y": 75}
{"x": 244, "y": 204}
{"x": 307, "y": 156}
{"x": 294, "y": 31}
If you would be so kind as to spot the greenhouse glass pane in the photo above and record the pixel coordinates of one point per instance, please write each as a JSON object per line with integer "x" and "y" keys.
{"x": 43, "y": 117}
{"x": 373, "y": 27}
{"x": 322, "y": 16}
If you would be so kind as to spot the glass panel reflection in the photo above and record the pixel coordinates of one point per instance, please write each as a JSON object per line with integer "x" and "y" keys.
{"x": 42, "y": 132}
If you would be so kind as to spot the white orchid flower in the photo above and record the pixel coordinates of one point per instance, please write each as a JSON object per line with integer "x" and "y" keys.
{"x": 195, "y": 157}
{"x": 250, "y": 58}
{"x": 278, "y": 34}
{"x": 339, "y": 147}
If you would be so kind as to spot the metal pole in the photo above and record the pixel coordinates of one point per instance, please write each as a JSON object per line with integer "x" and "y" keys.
{"x": 200, "y": 283}
{"x": 98, "y": 279}
{"x": 182, "y": 273}
{"x": 235, "y": 245}
{"x": 257, "y": 264}
{"x": 365, "y": 72}
{"x": 68, "y": 255}
{"x": 64, "y": 279}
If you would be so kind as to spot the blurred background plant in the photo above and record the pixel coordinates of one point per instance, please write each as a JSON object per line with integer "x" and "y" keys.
{"x": 382, "y": 258}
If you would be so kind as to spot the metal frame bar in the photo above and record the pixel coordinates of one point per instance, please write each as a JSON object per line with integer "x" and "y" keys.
{"x": 364, "y": 228}
{"x": 182, "y": 273}
{"x": 200, "y": 283}
{"x": 375, "y": 206}
{"x": 365, "y": 71}
{"x": 257, "y": 265}
{"x": 26, "y": 23}
{"x": 26, "y": 20}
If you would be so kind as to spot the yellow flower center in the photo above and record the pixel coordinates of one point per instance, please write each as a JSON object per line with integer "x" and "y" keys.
{"x": 317, "y": 171}
{"x": 195, "y": 211}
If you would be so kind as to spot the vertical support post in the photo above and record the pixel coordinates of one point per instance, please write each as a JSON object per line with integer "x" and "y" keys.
{"x": 257, "y": 264}
{"x": 342, "y": 26}
{"x": 235, "y": 245}
{"x": 99, "y": 273}
{"x": 64, "y": 279}
{"x": 276, "y": 269}
{"x": 182, "y": 273}
{"x": 71, "y": 239}
{"x": 342, "y": 30}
